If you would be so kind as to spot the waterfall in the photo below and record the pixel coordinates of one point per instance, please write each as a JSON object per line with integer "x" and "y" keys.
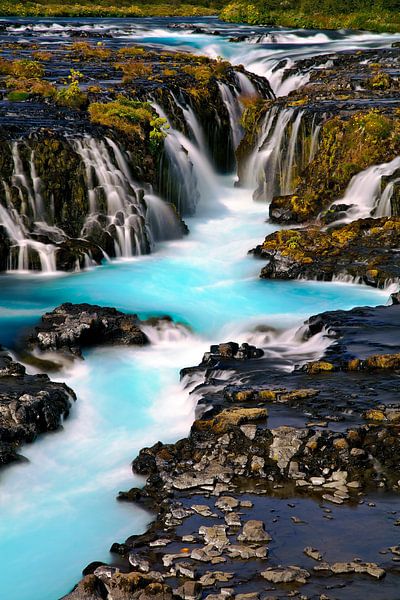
{"x": 190, "y": 169}
{"x": 122, "y": 220}
{"x": 114, "y": 195}
{"x": 234, "y": 109}
{"x": 364, "y": 194}
{"x": 286, "y": 144}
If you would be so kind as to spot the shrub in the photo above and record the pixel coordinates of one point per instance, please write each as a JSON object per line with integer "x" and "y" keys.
{"x": 86, "y": 51}
{"x": 134, "y": 69}
{"x": 72, "y": 95}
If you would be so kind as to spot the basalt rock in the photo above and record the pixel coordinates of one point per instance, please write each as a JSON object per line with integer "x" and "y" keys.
{"x": 364, "y": 250}
{"x": 29, "y": 405}
{"x": 72, "y": 327}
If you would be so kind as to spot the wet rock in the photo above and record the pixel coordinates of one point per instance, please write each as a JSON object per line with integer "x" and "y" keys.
{"x": 227, "y": 503}
{"x": 29, "y": 405}
{"x": 286, "y": 574}
{"x": 87, "y": 589}
{"x": 286, "y": 443}
{"x": 254, "y": 531}
{"x": 71, "y": 327}
{"x": 313, "y": 553}
{"x": 190, "y": 590}
{"x": 215, "y": 536}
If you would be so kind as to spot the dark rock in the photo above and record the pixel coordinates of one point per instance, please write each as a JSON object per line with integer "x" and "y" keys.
{"x": 71, "y": 327}
{"x": 29, "y": 405}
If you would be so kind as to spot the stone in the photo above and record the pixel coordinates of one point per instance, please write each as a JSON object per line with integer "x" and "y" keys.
{"x": 286, "y": 443}
{"x": 286, "y": 574}
{"x": 190, "y": 590}
{"x": 254, "y": 531}
{"x": 246, "y": 552}
{"x": 203, "y": 510}
{"x": 313, "y": 553}
{"x": 139, "y": 562}
{"x": 186, "y": 569}
{"x": 227, "y": 503}
{"x": 232, "y": 519}
{"x": 333, "y": 499}
{"x": 249, "y": 431}
{"x": 215, "y": 536}
{"x": 317, "y": 481}
{"x": 211, "y": 577}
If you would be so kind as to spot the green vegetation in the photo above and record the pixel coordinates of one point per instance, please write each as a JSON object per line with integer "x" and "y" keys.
{"x": 376, "y": 15}
{"x": 71, "y": 95}
{"x": 347, "y": 147}
{"x": 133, "y": 118}
{"x": 104, "y": 8}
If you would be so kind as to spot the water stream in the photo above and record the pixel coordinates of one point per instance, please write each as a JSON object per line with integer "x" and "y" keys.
{"x": 58, "y": 511}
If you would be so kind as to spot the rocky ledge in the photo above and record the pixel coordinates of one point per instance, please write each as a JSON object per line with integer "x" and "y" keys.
{"x": 29, "y": 405}
{"x": 365, "y": 250}
{"x": 251, "y": 504}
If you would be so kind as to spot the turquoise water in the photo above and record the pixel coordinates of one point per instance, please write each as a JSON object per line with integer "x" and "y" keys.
{"x": 58, "y": 511}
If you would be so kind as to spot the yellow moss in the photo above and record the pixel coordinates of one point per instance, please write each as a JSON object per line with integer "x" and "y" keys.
{"x": 383, "y": 361}
{"x": 134, "y": 69}
{"x": 374, "y": 415}
{"x": 340, "y": 444}
{"x": 267, "y": 395}
{"x": 319, "y": 367}
{"x": 229, "y": 418}
{"x": 354, "y": 364}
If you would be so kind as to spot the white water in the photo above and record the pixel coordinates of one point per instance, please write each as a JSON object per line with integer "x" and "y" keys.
{"x": 365, "y": 195}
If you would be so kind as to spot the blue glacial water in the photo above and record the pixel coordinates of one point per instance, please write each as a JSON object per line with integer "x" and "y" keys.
{"x": 58, "y": 510}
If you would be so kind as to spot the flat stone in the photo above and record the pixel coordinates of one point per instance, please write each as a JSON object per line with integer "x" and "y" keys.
{"x": 332, "y": 499}
{"x": 246, "y": 552}
{"x": 160, "y": 542}
{"x": 286, "y": 443}
{"x": 227, "y": 503}
{"x": 190, "y": 590}
{"x": 250, "y": 596}
{"x": 215, "y": 536}
{"x": 203, "y": 510}
{"x": 286, "y": 574}
{"x": 186, "y": 569}
{"x": 246, "y": 504}
{"x": 211, "y": 577}
{"x": 139, "y": 562}
{"x": 205, "y": 554}
{"x": 254, "y": 531}
{"x": 249, "y": 431}
{"x": 317, "y": 480}
{"x": 232, "y": 519}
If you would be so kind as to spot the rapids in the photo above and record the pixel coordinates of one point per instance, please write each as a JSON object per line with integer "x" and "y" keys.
{"x": 58, "y": 511}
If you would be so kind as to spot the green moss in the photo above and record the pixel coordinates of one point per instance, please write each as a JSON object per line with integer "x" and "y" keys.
{"x": 347, "y": 146}
{"x": 17, "y": 96}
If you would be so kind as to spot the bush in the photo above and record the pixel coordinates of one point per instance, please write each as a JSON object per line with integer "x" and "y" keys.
{"x": 134, "y": 69}
{"x": 72, "y": 95}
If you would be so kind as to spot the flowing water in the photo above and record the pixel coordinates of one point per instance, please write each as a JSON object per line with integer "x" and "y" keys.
{"x": 58, "y": 511}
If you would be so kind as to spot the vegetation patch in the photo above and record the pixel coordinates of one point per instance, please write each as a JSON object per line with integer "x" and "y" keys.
{"x": 347, "y": 146}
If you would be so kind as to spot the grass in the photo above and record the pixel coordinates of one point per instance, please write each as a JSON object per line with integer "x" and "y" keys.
{"x": 100, "y": 8}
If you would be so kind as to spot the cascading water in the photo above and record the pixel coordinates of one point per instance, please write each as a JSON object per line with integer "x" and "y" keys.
{"x": 234, "y": 109}
{"x": 285, "y": 146}
{"x": 364, "y": 194}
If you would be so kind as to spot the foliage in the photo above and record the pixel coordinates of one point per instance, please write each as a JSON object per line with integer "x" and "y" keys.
{"x": 377, "y": 15}
{"x": 72, "y": 95}
{"x": 134, "y": 69}
{"x": 86, "y": 51}
{"x": 132, "y": 117}
{"x": 103, "y": 8}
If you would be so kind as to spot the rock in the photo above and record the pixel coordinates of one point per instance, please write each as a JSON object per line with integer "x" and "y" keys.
{"x": 249, "y": 596}
{"x": 87, "y": 589}
{"x": 286, "y": 574}
{"x": 286, "y": 443}
{"x": 29, "y": 405}
{"x": 185, "y": 569}
{"x": 254, "y": 531}
{"x": 227, "y": 503}
{"x": 203, "y": 510}
{"x": 211, "y": 577}
{"x": 246, "y": 552}
{"x": 139, "y": 562}
{"x": 190, "y": 590}
{"x": 215, "y": 536}
{"x": 71, "y": 327}
{"x": 312, "y": 553}
{"x": 333, "y": 499}
{"x": 232, "y": 519}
